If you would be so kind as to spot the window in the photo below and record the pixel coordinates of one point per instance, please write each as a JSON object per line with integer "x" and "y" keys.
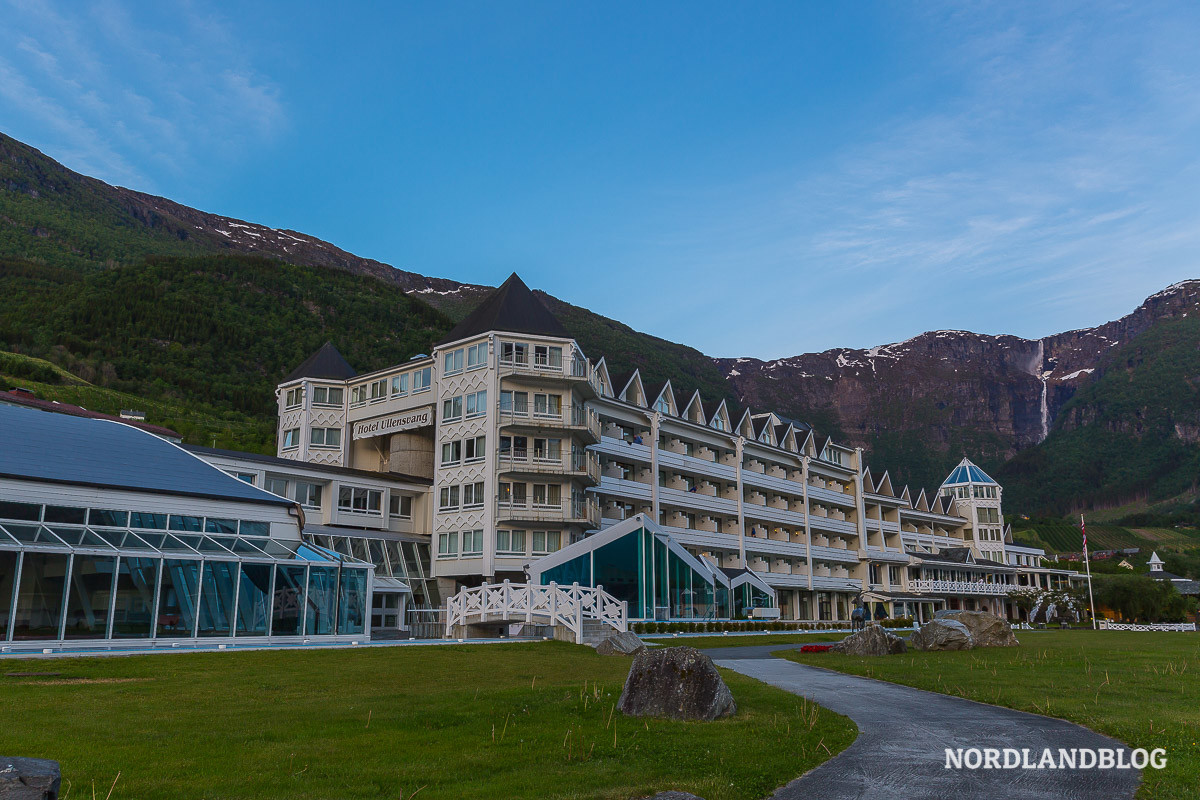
{"x": 475, "y": 449}
{"x": 663, "y": 404}
{"x": 514, "y": 353}
{"x": 451, "y": 453}
{"x": 472, "y": 543}
{"x": 547, "y": 405}
{"x": 991, "y": 515}
{"x": 399, "y": 385}
{"x": 307, "y": 494}
{"x": 448, "y": 545}
{"x": 325, "y": 437}
{"x": 513, "y": 494}
{"x": 422, "y": 380}
{"x": 719, "y": 424}
{"x": 291, "y": 438}
{"x": 400, "y": 505}
{"x": 277, "y": 486}
{"x": 472, "y": 495}
{"x": 448, "y": 500}
{"x": 214, "y": 525}
{"x": 477, "y": 355}
{"x": 546, "y": 541}
{"x": 547, "y": 357}
{"x": 244, "y": 477}
{"x": 358, "y": 395}
{"x": 834, "y": 456}
{"x": 547, "y": 450}
{"x": 379, "y": 390}
{"x": 477, "y": 403}
{"x": 547, "y": 495}
{"x": 452, "y": 409}
{"x": 294, "y": 398}
{"x": 359, "y": 500}
{"x": 510, "y": 542}
{"x": 143, "y": 519}
{"x": 328, "y": 396}
{"x": 514, "y": 402}
{"x": 452, "y": 362}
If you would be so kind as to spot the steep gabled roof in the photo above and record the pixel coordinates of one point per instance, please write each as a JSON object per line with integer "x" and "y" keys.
{"x": 694, "y": 410}
{"x": 868, "y": 481}
{"x": 512, "y": 308}
{"x": 600, "y": 370}
{"x": 325, "y": 363}
{"x": 885, "y": 485}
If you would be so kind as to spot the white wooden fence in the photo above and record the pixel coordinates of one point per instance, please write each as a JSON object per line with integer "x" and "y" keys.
{"x": 1105, "y": 625}
{"x": 552, "y": 605}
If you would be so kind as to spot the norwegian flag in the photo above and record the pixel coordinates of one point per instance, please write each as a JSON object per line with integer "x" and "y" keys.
{"x": 1083, "y": 530}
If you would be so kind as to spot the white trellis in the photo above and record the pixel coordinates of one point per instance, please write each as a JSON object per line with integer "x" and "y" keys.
{"x": 551, "y": 604}
{"x": 1105, "y": 625}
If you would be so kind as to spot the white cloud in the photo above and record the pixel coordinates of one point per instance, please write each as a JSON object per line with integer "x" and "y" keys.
{"x": 104, "y": 89}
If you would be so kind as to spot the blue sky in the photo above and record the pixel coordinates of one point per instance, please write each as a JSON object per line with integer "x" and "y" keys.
{"x": 753, "y": 179}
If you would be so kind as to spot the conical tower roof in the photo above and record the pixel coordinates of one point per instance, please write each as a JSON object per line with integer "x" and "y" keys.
{"x": 327, "y": 362}
{"x": 511, "y": 308}
{"x": 965, "y": 473}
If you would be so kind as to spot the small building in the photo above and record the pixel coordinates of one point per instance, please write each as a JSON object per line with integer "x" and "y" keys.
{"x": 1185, "y": 586}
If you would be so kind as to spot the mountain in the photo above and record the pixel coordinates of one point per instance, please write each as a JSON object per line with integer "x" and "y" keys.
{"x": 213, "y": 310}
{"x": 918, "y": 406}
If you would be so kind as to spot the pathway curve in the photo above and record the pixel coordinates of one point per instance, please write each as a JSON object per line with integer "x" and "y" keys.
{"x": 900, "y": 752}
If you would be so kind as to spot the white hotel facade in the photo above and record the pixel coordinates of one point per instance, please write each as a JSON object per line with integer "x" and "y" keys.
{"x": 515, "y": 445}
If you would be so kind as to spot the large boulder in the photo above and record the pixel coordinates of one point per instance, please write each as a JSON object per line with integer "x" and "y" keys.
{"x": 621, "y": 644}
{"x": 676, "y": 683}
{"x": 29, "y": 779}
{"x": 871, "y": 641}
{"x": 942, "y": 634}
{"x": 986, "y": 629}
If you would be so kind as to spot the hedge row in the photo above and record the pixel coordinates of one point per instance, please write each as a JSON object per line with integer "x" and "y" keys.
{"x": 735, "y": 626}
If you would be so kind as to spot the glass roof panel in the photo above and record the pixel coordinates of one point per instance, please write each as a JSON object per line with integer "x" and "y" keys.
{"x": 278, "y": 549}
{"x": 244, "y": 547}
{"x": 155, "y": 540}
{"x": 208, "y": 544}
{"x": 5, "y": 538}
{"x": 311, "y": 552}
{"x": 175, "y": 544}
{"x": 131, "y": 541}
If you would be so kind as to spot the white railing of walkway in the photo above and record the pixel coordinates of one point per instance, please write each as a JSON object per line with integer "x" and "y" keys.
{"x": 560, "y": 605}
{"x": 1105, "y": 625}
{"x": 925, "y": 585}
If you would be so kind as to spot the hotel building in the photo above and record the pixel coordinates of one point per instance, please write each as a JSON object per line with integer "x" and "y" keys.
{"x": 521, "y": 452}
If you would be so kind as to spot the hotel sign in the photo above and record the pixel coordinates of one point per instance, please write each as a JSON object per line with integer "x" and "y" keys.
{"x": 404, "y": 421}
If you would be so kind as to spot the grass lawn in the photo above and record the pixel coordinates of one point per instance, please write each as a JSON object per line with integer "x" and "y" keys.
{"x": 756, "y": 640}
{"x": 482, "y": 721}
{"x": 1140, "y": 688}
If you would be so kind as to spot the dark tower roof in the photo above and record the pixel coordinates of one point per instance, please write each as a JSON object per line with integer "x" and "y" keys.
{"x": 512, "y": 308}
{"x": 325, "y": 363}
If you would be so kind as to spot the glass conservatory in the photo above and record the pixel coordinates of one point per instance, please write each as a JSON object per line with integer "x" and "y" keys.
{"x": 92, "y": 577}
{"x": 653, "y": 573}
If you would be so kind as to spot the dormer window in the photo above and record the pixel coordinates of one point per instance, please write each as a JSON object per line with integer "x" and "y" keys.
{"x": 718, "y": 424}
{"x": 663, "y": 405}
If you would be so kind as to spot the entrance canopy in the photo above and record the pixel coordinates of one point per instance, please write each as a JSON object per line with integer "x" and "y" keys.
{"x": 636, "y": 561}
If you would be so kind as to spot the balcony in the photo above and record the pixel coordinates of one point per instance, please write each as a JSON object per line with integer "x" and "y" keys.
{"x": 578, "y": 420}
{"x": 523, "y": 461}
{"x": 924, "y": 586}
{"x": 570, "y": 512}
{"x": 550, "y": 367}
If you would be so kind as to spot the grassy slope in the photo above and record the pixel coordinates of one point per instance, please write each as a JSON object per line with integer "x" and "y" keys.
{"x": 516, "y": 720}
{"x": 1119, "y": 436}
{"x": 1140, "y": 688}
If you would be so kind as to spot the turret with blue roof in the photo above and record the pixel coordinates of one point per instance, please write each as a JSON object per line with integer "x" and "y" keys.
{"x": 967, "y": 473}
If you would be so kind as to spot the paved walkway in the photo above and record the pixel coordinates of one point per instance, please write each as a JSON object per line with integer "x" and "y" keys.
{"x": 900, "y": 752}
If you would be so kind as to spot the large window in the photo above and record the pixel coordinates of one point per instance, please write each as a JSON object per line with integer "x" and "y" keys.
{"x": 514, "y": 402}
{"x": 472, "y": 543}
{"x": 287, "y": 615}
{"x": 547, "y": 357}
{"x": 547, "y": 405}
{"x": 293, "y": 398}
{"x": 452, "y": 362}
{"x": 448, "y": 545}
{"x": 133, "y": 605}
{"x": 328, "y": 396}
{"x": 474, "y": 449}
{"x": 320, "y": 607}
{"x": 472, "y": 495}
{"x": 254, "y": 599}
{"x": 514, "y": 353}
{"x": 448, "y": 499}
{"x": 400, "y": 505}
{"x": 451, "y": 453}
{"x": 40, "y": 596}
{"x": 422, "y": 380}
{"x": 88, "y": 596}
{"x": 546, "y": 542}
{"x": 510, "y": 542}
{"x": 307, "y": 494}
{"x": 477, "y": 403}
{"x": 325, "y": 437}
{"x": 358, "y": 500}
{"x": 547, "y": 495}
{"x": 400, "y": 385}
{"x": 177, "y": 598}
{"x": 477, "y": 355}
{"x": 379, "y": 390}
{"x": 452, "y": 409}
{"x": 277, "y": 486}
{"x": 291, "y": 438}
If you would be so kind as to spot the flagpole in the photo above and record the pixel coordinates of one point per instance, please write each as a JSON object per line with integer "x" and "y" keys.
{"x": 1088, "y": 565}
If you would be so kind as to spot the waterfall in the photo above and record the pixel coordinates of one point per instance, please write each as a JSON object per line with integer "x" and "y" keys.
{"x": 1040, "y": 372}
